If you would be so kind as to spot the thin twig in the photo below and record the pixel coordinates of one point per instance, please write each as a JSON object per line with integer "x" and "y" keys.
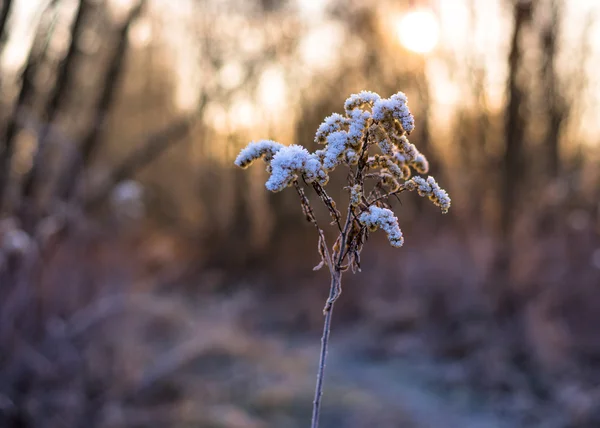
{"x": 25, "y": 97}
{"x": 323, "y": 356}
{"x": 310, "y": 216}
{"x": 335, "y": 291}
{"x": 64, "y": 78}
{"x": 387, "y": 195}
{"x": 329, "y": 203}
{"x": 67, "y": 184}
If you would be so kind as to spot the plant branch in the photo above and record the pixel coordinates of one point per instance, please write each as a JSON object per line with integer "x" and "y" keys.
{"x": 387, "y": 195}
{"x": 335, "y": 285}
{"x": 310, "y": 216}
{"x": 356, "y": 132}
{"x": 112, "y": 79}
{"x": 329, "y": 203}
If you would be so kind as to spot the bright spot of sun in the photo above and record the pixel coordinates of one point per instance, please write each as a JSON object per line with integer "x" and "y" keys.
{"x": 242, "y": 113}
{"x": 272, "y": 89}
{"x": 418, "y": 31}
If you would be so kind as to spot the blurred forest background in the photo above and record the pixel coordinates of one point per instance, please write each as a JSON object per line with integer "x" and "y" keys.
{"x": 145, "y": 281}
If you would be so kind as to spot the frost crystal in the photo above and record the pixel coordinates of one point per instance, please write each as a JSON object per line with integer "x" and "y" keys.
{"x": 397, "y": 107}
{"x": 431, "y": 189}
{"x": 420, "y": 164}
{"x": 385, "y": 219}
{"x": 341, "y": 141}
{"x": 331, "y": 124}
{"x": 265, "y": 149}
{"x": 369, "y": 122}
{"x": 355, "y": 195}
{"x": 408, "y": 151}
{"x": 290, "y": 162}
{"x": 360, "y": 100}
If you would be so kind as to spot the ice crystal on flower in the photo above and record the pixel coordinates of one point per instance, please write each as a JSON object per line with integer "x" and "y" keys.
{"x": 331, "y": 124}
{"x": 355, "y": 195}
{"x": 368, "y": 121}
{"x": 369, "y": 124}
{"x": 265, "y": 149}
{"x": 396, "y": 106}
{"x": 340, "y": 142}
{"x": 385, "y": 219}
{"x": 360, "y": 100}
{"x": 289, "y": 163}
{"x": 431, "y": 189}
{"x": 420, "y": 164}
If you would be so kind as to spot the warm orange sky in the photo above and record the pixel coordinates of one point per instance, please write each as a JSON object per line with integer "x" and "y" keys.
{"x": 487, "y": 38}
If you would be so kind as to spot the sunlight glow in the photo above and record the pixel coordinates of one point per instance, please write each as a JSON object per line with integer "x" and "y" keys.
{"x": 25, "y": 16}
{"x": 118, "y": 8}
{"x": 242, "y": 113}
{"x": 312, "y": 9}
{"x": 272, "y": 89}
{"x": 140, "y": 34}
{"x": 321, "y": 46}
{"x": 418, "y": 31}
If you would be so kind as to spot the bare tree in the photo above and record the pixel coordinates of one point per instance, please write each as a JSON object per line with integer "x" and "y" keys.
{"x": 4, "y": 14}
{"x": 25, "y": 97}
{"x": 82, "y": 157}
{"x": 65, "y": 73}
{"x": 515, "y": 121}
{"x": 514, "y": 125}
{"x": 151, "y": 149}
{"x": 554, "y": 102}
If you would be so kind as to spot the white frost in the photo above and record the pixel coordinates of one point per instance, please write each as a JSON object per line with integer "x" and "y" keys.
{"x": 386, "y": 220}
{"x": 360, "y": 100}
{"x": 255, "y": 150}
{"x": 332, "y": 123}
{"x": 340, "y": 142}
{"x": 289, "y": 163}
{"x": 431, "y": 189}
{"x": 397, "y": 107}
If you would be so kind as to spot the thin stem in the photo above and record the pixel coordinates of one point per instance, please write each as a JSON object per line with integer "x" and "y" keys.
{"x": 335, "y": 279}
{"x": 310, "y": 215}
{"x": 335, "y": 214}
{"x": 334, "y": 293}
{"x": 387, "y": 195}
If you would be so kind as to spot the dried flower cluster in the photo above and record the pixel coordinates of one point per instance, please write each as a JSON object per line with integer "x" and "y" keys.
{"x": 369, "y": 121}
{"x": 382, "y": 217}
{"x": 370, "y": 139}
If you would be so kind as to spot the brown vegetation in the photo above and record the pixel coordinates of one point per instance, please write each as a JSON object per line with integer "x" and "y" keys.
{"x": 144, "y": 281}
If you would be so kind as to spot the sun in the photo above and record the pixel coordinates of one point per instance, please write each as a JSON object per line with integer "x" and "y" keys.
{"x": 418, "y": 31}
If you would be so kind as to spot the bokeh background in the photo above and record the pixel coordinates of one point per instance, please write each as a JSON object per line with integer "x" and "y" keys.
{"x": 145, "y": 281}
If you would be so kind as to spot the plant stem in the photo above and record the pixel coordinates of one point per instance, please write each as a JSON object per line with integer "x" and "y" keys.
{"x": 335, "y": 285}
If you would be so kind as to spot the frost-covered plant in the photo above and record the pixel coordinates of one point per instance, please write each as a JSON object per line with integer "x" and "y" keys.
{"x": 370, "y": 139}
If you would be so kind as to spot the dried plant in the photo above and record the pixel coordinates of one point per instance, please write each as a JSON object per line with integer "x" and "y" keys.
{"x": 371, "y": 141}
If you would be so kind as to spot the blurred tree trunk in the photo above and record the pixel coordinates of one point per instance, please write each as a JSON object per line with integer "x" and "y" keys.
{"x": 478, "y": 152}
{"x": 514, "y": 125}
{"x": 82, "y": 157}
{"x": 152, "y": 148}
{"x": 512, "y": 167}
{"x": 553, "y": 97}
{"x": 4, "y": 14}
{"x": 24, "y": 99}
{"x": 65, "y": 72}
{"x": 556, "y": 112}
